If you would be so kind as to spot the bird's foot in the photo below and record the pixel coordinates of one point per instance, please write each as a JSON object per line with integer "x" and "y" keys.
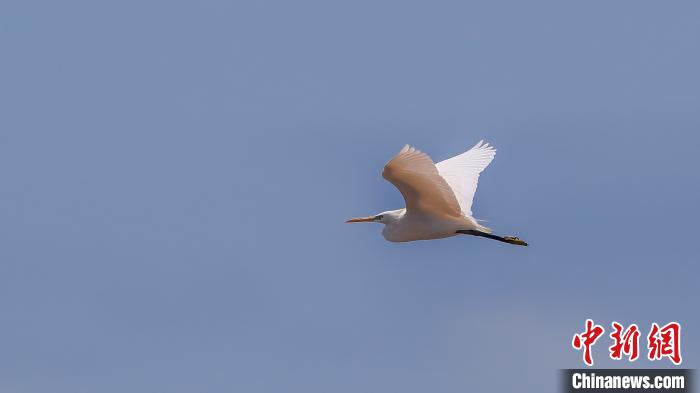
{"x": 514, "y": 240}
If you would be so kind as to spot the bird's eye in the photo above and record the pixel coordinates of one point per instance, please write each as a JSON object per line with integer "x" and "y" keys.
{"x": 378, "y": 218}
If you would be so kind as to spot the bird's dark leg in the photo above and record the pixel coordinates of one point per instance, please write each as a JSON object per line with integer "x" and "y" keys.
{"x": 505, "y": 239}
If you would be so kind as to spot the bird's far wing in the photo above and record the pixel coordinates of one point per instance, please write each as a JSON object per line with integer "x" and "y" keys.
{"x": 424, "y": 190}
{"x": 462, "y": 172}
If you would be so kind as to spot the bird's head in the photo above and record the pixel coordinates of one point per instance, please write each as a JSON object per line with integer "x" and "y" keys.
{"x": 384, "y": 217}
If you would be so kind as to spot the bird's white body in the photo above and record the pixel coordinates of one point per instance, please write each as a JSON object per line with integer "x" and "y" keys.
{"x": 405, "y": 227}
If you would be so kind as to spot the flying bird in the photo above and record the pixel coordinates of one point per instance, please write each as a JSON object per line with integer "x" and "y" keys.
{"x": 438, "y": 196}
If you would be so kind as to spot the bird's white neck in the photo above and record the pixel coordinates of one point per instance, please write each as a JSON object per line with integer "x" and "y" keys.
{"x": 392, "y": 216}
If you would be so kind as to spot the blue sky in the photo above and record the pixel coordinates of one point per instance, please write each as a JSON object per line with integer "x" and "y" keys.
{"x": 175, "y": 177}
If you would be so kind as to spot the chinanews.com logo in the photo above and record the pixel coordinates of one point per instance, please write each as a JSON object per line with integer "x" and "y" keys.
{"x": 662, "y": 343}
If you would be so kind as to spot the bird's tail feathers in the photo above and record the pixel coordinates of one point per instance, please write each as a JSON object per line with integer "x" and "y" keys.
{"x": 479, "y": 227}
{"x": 484, "y": 228}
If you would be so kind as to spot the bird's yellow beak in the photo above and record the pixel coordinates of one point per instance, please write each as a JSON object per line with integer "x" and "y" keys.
{"x": 361, "y": 219}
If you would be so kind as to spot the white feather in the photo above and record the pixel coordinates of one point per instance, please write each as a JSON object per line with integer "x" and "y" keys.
{"x": 462, "y": 173}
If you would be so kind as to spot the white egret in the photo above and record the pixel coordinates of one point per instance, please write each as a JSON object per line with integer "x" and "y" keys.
{"x": 438, "y": 196}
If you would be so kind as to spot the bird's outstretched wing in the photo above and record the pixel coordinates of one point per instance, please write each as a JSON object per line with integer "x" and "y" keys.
{"x": 424, "y": 190}
{"x": 462, "y": 172}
